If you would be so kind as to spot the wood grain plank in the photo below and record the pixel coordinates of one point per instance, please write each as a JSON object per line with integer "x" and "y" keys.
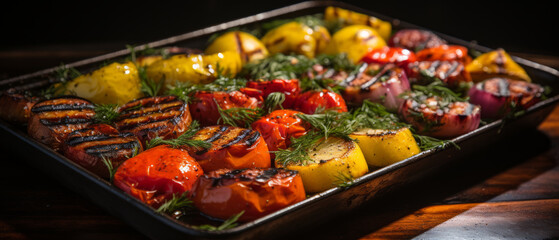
{"x": 534, "y": 219}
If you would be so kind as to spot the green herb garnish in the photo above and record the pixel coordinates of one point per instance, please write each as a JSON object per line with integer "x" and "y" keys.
{"x": 344, "y": 180}
{"x": 110, "y": 167}
{"x": 177, "y": 203}
{"x": 63, "y": 75}
{"x": 106, "y": 113}
{"x": 183, "y": 140}
{"x": 227, "y": 224}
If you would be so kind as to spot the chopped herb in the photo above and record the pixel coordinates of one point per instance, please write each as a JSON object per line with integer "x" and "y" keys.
{"x": 109, "y": 164}
{"x": 427, "y": 143}
{"x": 183, "y": 140}
{"x": 148, "y": 86}
{"x": 63, "y": 75}
{"x": 177, "y": 203}
{"x": 443, "y": 95}
{"x": 375, "y": 116}
{"x": 344, "y": 180}
{"x": 106, "y": 113}
{"x": 227, "y": 224}
{"x": 236, "y": 116}
{"x": 273, "y": 101}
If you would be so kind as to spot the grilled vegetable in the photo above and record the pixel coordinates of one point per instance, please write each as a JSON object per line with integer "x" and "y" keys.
{"x": 342, "y": 17}
{"x": 147, "y": 118}
{"x": 383, "y": 86}
{"x": 296, "y": 37}
{"x": 452, "y": 73}
{"x": 52, "y": 120}
{"x": 445, "y": 53}
{"x": 437, "y": 111}
{"x": 496, "y": 63}
{"x": 289, "y": 87}
{"x": 415, "y": 39}
{"x": 157, "y": 174}
{"x": 113, "y": 84}
{"x": 312, "y": 101}
{"x": 385, "y": 55}
{"x": 499, "y": 96}
{"x": 16, "y": 107}
{"x": 194, "y": 68}
{"x": 279, "y": 127}
{"x": 232, "y": 147}
{"x": 207, "y": 106}
{"x": 257, "y": 192}
{"x": 355, "y": 41}
{"x": 91, "y": 146}
{"x": 384, "y": 147}
{"x": 248, "y": 46}
{"x": 330, "y": 160}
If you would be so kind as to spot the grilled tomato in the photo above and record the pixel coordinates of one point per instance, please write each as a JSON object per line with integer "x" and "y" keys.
{"x": 278, "y": 127}
{"x": 258, "y": 192}
{"x": 92, "y": 145}
{"x": 52, "y": 120}
{"x": 445, "y": 53}
{"x": 205, "y": 108}
{"x": 289, "y": 87}
{"x": 385, "y": 55}
{"x": 311, "y": 101}
{"x": 157, "y": 174}
{"x": 232, "y": 147}
{"x": 147, "y": 118}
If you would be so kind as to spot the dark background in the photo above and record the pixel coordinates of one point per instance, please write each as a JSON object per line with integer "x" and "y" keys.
{"x": 93, "y": 28}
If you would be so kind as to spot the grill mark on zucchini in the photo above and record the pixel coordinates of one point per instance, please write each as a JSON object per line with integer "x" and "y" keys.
{"x": 111, "y": 148}
{"x": 238, "y": 138}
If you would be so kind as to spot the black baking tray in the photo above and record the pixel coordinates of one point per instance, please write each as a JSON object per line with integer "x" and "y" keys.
{"x": 316, "y": 208}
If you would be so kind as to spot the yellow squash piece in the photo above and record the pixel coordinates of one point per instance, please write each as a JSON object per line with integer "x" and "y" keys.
{"x": 294, "y": 37}
{"x": 347, "y": 17}
{"x": 194, "y": 68}
{"x": 384, "y": 147}
{"x": 496, "y": 63}
{"x": 332, "y": 161}
{"x": 248, "y": 46}
{"x": 355, "y": 41}
{"x": 112, "y": 84}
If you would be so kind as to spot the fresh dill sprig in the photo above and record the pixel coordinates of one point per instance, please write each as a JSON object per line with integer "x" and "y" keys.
{"x": 183, "y": 140}
{"x": 273, "y": 101}
{"x": 443, "y": 95}
{"x": 106, "y": 113}
{"x": 343, "y": 180}
{"x": 278, "y": 66}
{"x": 238, "y": 117}
{"x": 110, "y": 167}
{"x": 324, "y": 125}
{"x": 62, "y": 76}
{"x": 148, "y": 86}
{"x": 375, "y": 116}
{"x": 227, "y": 224}
{"x": 181, "y": 202}
{"x": 427, "y": 143}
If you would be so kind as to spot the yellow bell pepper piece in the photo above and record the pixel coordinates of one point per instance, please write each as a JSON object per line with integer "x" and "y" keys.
{"x": 294, "y": 37}
{"x": 384, "y": 147}
{"x": 195, "y": 68}
{"x": 347, "y": 17}
{"x": 248, "y": 46}
{"x": 355, "y": 41}
{"x": 496, "y": 63}
{"x": 332, "y": 160}
{"x": 113, "y": 84}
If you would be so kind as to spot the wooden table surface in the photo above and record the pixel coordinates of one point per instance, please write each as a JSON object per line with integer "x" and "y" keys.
{"x": 510, "y": 191}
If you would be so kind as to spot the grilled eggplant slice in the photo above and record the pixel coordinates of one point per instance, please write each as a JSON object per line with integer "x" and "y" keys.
{"x": 232, "y": 147}
{"x": 147, "y": 118}
{"x": 16, "y": 106}
{"x": 91, "y": 146}
{"x": 52, "y": 120}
